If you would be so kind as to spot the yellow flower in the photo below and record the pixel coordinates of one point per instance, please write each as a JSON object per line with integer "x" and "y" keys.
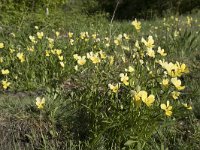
{"x": 58, "y": 52}
{"x": 47, "y": 53}
{"x": 70, "y": 34}
{"x": 117, "y": 42}
{"x": 149, "y": 43}
{"x": 40, "y": 35}
{"x": 151, "y": 52}
{"x": 175, "y": 94}
{"x": 124, "y": 78}
{"x": 76, "y": 57}
{"x": 5, "y": 72}
{"x": 102, "y": 54}
{"x": 81, "y": 60}
{"x": 1, "y": 45}
{"x": 136, "y": 24}
{"x": 62, "y": 64}
{"x": 57, "y": 33}
{"x": 167, "y": 108}
{"x": 1, "y": 59}
{"x": 30, "y": 48}
{"x": 130, "y": 69}
{"x": 32, "y": 38}
{"x": 114, "y": 88}
{"x": 177, "y": 83}
{"x": 60, "y": 58}
{"x": 93, "y": 57}
{"x": 5, "y": 84}
{"x": 161, "y": 51}
{"x": 165, "y": 82}
{"x": 148, "y": 100}
{"x": 40, "y": 102}
{"x": 189, "y": 107}
{"x": 126, "y": 36}
{"x": 21, "y": 57}
{"x": 111, "y": 60}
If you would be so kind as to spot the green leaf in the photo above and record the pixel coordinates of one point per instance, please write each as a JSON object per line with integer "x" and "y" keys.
{"x": 129, "y": 143}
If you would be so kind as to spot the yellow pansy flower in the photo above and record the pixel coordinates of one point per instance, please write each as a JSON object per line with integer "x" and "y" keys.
{"x": 5, "y": 71}
{"x": 40, "y": 102}
{"x": 165, "y": 82}
{"x": 70, "y": 34}
{"x": 114, "y": 88}
{"x": 149, "y": 43}
{"x": 81, "y": 60}
{"x": 40, "y": 35}
{"x": 167, "y": 108}
{"x": 136, "y": 24}
{"x": 62, "y": 64}
{"x": 124, "y": 78}
{"x": 161, "y": 51}
{"x": 189, "y": 107}
{"x": 21, "y": 57}
{"x": 5, "y": 84}
{"x": 151, "y": 52}
{"x": 1, "y": 45}
{"x": 177, "y": 83}
{"x": 148, "y": 100}
{"x": 175, "y": 94}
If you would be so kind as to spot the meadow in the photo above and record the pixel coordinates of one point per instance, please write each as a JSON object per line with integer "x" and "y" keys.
{"x": 77, "y": 81}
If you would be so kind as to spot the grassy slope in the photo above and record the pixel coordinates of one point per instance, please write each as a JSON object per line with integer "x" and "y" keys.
{"x": 16, "y": 110}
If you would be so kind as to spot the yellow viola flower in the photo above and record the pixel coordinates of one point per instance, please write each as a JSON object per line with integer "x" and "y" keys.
{"x": 76, "y": 56}
{"x": 165, "y": 82}
{"x": 182, "y": 68}
{"x": 1, "y": 45}
{"x": 189, "y": 107}
{"x": 167, "y": 108}
{"x": 5, "y": 71}
{"x": 136, "y": 24}
{"x": 124, "y": 78}
{"x": 102, "y": 54}
{"x": 111, "y": 60}
{"x": 161, "y": 51}
{"x": 57, "y": 33}
{"x": 149, "y": 43}
{"x": 5, "y": 84}
{"x": 71, "y": 41}
{"x": 175, "y": 94}
{"x": 58, "y": 52}
{"x": 177, "y": 83}
{"x": 40, "y": 102}
{"x": 62, "y": 64}
{"x": 114, "y": 88}
{"x": 40, "y": 35}
{"x": 1, "y": 59}
{"x": 148, "y": 100}
{"x": 47, "y": 53}
{"x": 93, "y": 57}
{"x": 32, "y": 38}
{"x": 36, "y": 27}
{"x": 81, "y": 60}
{"x": 151, "y": 52}
{"x": 70, "y": 34}
{"x": 126, "y": 36}
{"x": 11, "y": 50}
{"x": 30, "y": 48}
{"x": 21, "y": 57}
{"x": 117, "y": 42}
{"x": 130, "y": 69}
{"x": 60, "y": 58}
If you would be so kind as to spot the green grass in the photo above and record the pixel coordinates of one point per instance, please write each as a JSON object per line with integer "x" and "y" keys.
{"x": 80, "y": 111}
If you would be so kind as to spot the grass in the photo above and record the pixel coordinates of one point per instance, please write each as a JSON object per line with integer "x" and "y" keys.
{"x": 81, "y": 111}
